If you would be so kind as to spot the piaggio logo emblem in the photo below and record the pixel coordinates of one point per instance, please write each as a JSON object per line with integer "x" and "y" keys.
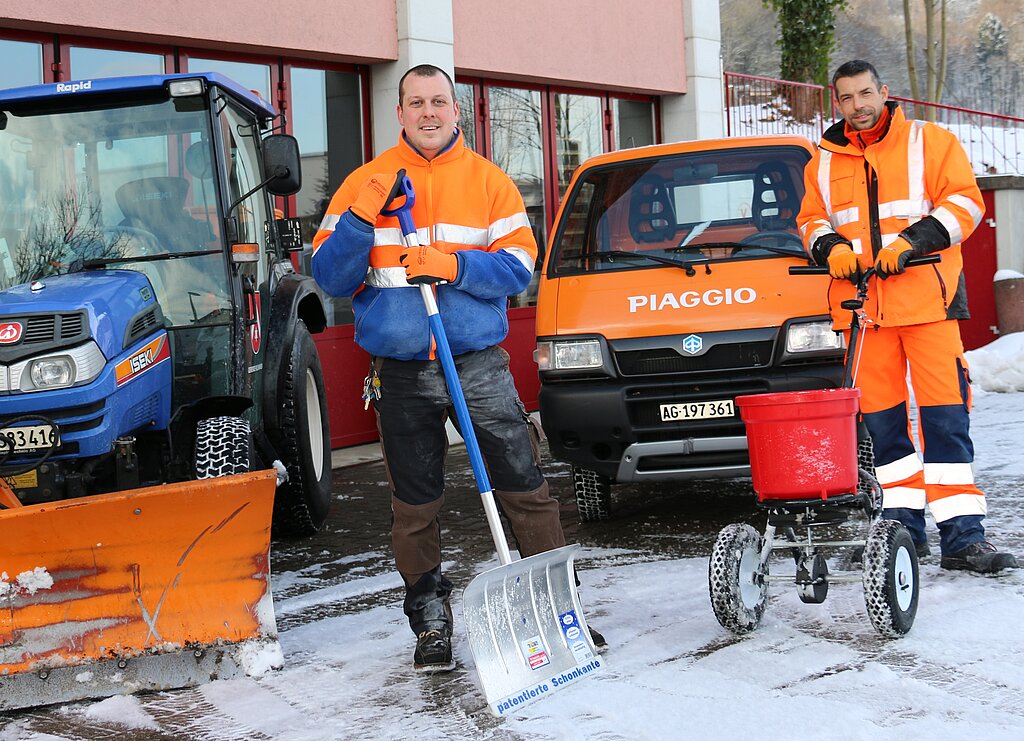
{"x": 692, "y": 344}
{"x": 10, "y": 332}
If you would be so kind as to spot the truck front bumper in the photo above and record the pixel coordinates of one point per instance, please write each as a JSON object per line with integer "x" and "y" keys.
{"x": 614, "y": 427}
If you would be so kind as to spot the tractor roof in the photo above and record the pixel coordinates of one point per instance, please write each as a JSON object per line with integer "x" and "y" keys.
{"x": 35, "y": 94}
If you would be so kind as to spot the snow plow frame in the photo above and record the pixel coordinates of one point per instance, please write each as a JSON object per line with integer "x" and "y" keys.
{"x": 150, "y": 589}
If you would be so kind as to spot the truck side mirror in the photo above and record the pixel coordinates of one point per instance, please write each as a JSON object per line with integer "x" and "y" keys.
{"x": 281, "y": 164}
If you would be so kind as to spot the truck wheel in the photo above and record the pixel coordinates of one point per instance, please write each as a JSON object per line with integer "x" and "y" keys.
{"x": 302, "y": 502}
{"x": 593, "y": 495}
{"x": 223, "y": 447}
{"x": 737, "y": 580}
{"x": 890, "y": 578}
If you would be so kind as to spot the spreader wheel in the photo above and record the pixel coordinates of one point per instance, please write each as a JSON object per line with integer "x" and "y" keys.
{"x": 890, "y": 578}
{"x": 737, "y": 579}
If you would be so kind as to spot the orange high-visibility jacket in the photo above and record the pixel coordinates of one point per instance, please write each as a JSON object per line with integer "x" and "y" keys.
{"x": 465, "y": 205}
{"x": 915, "y": 182}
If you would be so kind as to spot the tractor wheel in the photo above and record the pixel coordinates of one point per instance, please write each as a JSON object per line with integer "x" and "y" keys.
{"x": 890, "y": 578}
{"x": 737, "y": 580}
{"x": 223, "y": 447}
{"x": 303, "y": 501}
{"x": 593, "y": 495}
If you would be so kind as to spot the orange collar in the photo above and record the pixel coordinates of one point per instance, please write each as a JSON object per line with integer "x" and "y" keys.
{"x": 863, "y": 139}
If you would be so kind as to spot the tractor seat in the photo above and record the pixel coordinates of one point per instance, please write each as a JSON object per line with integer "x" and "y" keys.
{"x": 157, "y": 204}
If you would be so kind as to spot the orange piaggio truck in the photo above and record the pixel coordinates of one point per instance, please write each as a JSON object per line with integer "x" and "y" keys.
{"x": 665, "y": 295}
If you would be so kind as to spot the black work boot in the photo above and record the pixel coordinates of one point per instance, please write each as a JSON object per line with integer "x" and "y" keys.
{"x": 922, "y": 549}
{"x": 981, "y": 558}
{"x": 433, "y": 652}
{"x": 599, "y": 641}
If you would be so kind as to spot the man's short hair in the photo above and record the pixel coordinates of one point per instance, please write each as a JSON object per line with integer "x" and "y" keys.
{"x": 424, "y": 70}
{"x": 856, "y": 67}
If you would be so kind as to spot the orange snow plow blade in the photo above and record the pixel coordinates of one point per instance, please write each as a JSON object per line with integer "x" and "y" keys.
{"x": 155, "y": 588}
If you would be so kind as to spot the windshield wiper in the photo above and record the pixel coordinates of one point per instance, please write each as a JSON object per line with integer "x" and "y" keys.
{"x": 102, "y": 262}
{"x": 795, "y": 252}
{"x": 610, "y": 256}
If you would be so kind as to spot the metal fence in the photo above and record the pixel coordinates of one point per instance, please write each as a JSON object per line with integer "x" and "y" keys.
{"x": 762, "y": 105}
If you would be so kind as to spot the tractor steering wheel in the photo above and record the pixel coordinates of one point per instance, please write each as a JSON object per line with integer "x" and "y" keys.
{"x": 130, "y": 241}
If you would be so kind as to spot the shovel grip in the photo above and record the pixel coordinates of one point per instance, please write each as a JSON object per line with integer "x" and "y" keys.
{"x": 402, "y": 187}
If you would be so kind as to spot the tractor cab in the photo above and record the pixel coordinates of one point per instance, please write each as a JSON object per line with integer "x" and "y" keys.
{"x": 157, "y": 176}
{"x": 143, "y": 273}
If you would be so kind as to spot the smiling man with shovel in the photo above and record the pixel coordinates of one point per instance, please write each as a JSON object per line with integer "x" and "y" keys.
{"x": 477, "y": 248}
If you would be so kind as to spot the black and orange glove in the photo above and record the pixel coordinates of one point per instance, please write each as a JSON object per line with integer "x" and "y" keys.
{"x": 427, "y": 264}
{"x": 373, "y": 196}
{"x": 842, "y": 262}
{"x": 892, "y": 258}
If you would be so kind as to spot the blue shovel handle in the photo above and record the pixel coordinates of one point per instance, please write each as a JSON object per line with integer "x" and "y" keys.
{"x": 403, "y": 187}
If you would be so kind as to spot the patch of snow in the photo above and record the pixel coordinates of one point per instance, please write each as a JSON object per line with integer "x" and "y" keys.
{"x": 122, "y": 710}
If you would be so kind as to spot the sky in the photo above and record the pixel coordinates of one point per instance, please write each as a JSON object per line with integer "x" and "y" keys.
{"x": 808, "y": 672}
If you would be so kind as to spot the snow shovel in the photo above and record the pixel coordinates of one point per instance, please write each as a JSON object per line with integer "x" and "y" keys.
{"x": 524, "y": 619}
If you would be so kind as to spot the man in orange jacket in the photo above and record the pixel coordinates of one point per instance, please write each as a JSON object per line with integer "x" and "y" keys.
{"x": 879, "y": 190}
{"x": 478, "y": 249}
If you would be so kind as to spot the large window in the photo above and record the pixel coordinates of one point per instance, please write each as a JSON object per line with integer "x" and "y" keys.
{"x": 327, "y": 119}
{"x": 91, "y": 63}
{"x": 517, "y": 147}
{"x": 249, "y": 75}
{"x": 579, "y": 133}
{"x": 466, "y": 97}
{"x": 540, "y": 135}
{"x": 22, "y": 63}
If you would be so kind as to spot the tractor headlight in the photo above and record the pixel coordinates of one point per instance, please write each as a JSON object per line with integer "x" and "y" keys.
{"x": 57, "y": 371}
{"x": 60, "y": 370}
{"x": 813, "y": 337}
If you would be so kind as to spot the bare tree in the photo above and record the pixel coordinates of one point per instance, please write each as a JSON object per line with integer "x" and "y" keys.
{"x": 65, "y": 232}
{"x": 934, "y": 51}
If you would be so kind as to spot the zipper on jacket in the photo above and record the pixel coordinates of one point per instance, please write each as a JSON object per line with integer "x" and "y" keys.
{"x": 874, "y": 223}
{"x": 942, "y": 288}
{"x": 875, "y": 227}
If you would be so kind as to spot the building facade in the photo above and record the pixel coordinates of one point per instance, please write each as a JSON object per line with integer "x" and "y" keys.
{"x": 541, "y": 87}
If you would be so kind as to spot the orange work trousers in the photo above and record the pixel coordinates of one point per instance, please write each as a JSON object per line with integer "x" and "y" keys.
{"x": 942, "y": 475}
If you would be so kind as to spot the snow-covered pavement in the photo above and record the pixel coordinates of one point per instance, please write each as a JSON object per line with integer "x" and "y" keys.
{"x": 809, "y": 672}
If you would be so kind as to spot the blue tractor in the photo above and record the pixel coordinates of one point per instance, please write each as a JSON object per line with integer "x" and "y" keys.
{"x": 152, "y": 328}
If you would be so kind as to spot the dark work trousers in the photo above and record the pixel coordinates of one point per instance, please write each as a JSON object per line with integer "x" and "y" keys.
{"x": 411, "y": 414}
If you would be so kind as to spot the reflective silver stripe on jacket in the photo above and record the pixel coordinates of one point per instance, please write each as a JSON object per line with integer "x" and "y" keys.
{"x": 330, "y": 221}
{"x": 913, "y": 211}
{"x": 825, "y": 181}
{"x": 386, "y": 278}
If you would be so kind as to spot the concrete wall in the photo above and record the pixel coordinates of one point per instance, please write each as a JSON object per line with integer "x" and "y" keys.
{"x": 341, "y": 30}
{"x": 609, "y": 44}
{"x": 668, "y": 48}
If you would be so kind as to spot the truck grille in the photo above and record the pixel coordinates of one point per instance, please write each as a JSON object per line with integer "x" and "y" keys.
{"x": 720, "y": 357}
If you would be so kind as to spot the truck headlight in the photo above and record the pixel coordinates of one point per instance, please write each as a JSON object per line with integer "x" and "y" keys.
{"x": 59, "y": 370}
{"x": 813, "y": 337}
{"x": 555, "y": 355}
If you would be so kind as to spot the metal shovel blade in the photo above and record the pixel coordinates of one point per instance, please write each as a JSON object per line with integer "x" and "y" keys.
{"x": 527, "y": 631}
